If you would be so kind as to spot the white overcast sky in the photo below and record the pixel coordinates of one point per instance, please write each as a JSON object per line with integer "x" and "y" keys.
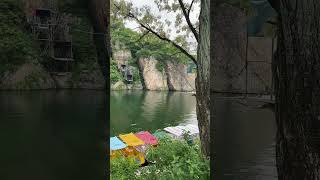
{"x": 194, "y": 15}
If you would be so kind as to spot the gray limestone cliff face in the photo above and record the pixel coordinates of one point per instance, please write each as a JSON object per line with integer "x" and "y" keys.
{"x": 174, "y": 77}
{"x": 34, "y": 77}
{"x": 86, "y": 79}
{"x": 152, "y": 77}
{"x": 122, "y": 56}
{"x": 178, "y": 78}
{"x": 92, "y": 79}
{"x": 28, "y": 76}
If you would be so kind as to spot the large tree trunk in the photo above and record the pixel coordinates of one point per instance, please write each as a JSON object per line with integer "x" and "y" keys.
{"x": 202, "y": 80}
{"x": 99, "y": 12}
{"x": 296, "y": 71}
{"x": 100, "y": 17}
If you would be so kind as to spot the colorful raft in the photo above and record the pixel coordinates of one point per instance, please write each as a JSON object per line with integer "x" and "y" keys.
{"x": 135, "y": 145}
{"x": 177, "y": 132}
{"x": 147, "y": 138}
{"x": 116, "y": 145}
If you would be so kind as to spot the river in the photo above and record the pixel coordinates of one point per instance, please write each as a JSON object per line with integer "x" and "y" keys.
{"x": 52, "y": 135}
{"x": 59, "y": 134}
{"x": 133, "y": 111}
{"x": 245, "y": 147}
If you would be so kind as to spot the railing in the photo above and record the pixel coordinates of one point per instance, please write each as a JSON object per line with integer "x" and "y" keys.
{"x": 63, "y": 50}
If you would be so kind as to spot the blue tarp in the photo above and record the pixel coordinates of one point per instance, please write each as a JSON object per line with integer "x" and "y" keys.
{"x": 116, "y": 144}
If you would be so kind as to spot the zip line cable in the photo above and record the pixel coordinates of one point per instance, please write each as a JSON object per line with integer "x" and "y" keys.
{"x": 87, "y": 32}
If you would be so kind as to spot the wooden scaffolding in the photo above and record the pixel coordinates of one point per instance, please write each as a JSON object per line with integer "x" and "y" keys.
{"x": 126, "y": 73}
{"x": 52, "y": 32}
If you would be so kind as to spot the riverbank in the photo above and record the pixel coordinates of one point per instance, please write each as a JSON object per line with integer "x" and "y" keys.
{"x": 33, "y": 76}
{"x": 120, "y": 86}
{"x": 172, "y": 159}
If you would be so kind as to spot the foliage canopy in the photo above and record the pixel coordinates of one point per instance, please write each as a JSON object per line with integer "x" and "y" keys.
{"x": 16, "y": 45}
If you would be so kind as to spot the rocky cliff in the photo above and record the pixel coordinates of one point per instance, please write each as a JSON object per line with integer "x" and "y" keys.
{"x": 27, "y": 76}
{"x": 153, "y": 79}
{"x": 173, "y": 76}
{"x": 25, "y": 66}
{"x": 31, "y": 76}
{"x": 178, "y": 78}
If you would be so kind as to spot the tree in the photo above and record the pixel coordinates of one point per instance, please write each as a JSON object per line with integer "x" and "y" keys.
{"x": 150, "y": 24}
{"x": 296, "y": 70}
{"x": 203, "y": 78}
{"x": 99, "y": 12}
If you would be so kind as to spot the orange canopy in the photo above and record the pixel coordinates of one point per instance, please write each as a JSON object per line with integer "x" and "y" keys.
{"x": 131, "y": 139}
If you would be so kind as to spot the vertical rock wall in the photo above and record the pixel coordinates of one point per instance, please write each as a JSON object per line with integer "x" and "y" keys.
{"x": 174, "y": 77}
{"x": 178, "y": 78}
{"x": 122, "y": 56}
{"x": 153, "y": 79}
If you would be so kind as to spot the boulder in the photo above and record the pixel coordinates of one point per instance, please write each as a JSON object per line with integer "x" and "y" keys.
{"x": 120, "y": 85}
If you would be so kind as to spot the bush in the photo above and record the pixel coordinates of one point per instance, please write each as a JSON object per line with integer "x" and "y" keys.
{"x": 16, "y": 45}
{"x": 160, "y": 66}
{"x": 115, "y": 75}
{"x": 122, "y": 168}
{"x": 173, "y": 160}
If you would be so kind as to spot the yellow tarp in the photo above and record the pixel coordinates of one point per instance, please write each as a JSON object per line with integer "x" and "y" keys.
{"x": 131, "y": 140}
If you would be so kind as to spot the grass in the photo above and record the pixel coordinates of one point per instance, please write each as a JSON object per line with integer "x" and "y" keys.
{"x": 173, "y": 159}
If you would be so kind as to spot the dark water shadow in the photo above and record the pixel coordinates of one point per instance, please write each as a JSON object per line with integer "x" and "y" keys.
{"x": 52, "y": 135}
{"x": 245, "y": 141}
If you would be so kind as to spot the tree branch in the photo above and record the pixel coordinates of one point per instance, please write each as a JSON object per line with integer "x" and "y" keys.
{"x": 141, "y": 37}
{"x": 187, "y": 17}
{"x": 275, "y": 4}
{"x": 170, "y": 41}
{"x": 189, "y": 10}
{"x": 180, "y": 48}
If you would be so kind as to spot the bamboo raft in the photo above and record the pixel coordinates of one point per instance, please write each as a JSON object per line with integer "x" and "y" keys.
{"x": 136, "y": 145}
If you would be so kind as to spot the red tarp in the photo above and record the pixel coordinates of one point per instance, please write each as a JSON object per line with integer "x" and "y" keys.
{"x": 147, "y": 138}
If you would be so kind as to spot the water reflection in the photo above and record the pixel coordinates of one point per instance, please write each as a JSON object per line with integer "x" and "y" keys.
{"x": 52, "y": 135}
{"x": 150, "y": 110}
{"x": 245, "y": 141}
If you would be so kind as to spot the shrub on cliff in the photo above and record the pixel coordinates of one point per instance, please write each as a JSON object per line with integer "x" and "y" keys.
{"x": 115, "y": 75}
{"x": 16, "y": 45}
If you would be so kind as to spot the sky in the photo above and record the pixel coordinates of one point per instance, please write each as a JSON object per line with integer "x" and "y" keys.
{"x": 169, "y": 16}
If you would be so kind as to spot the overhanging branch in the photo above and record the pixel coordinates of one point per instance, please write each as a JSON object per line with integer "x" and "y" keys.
{"x": 187, "y": 17}
{"x": 141, "y": 37}
{"x": 189, "y": 10}
{"x": 146, "y": 27}
{"x": 170, "y": 41}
